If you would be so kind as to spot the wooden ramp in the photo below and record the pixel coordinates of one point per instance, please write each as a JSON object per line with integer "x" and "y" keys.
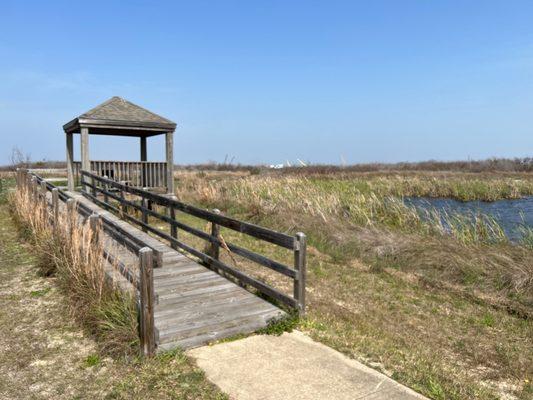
{"x": 194, "y": 305}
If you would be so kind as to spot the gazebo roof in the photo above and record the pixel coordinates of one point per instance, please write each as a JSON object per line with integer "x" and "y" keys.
{"x": 120, "y": 117}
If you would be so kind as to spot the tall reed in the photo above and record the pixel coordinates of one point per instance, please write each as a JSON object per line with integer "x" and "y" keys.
{"x": 69, "y": 250}
{"x": 332, "y": 199}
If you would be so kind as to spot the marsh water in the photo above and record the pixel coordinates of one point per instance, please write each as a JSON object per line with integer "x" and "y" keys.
{"x": 510, "y": 214}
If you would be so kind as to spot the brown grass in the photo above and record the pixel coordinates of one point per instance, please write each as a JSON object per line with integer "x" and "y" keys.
{"x": 70, "y": 253}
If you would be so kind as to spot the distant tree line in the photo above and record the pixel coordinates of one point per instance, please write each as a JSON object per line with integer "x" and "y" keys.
{"x": 20, "y": 160}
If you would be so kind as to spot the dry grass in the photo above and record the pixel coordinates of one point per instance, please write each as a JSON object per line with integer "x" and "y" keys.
{"x": 44, "y": 354}
{"x": 69, "y": 251}
{"x": 447, "y": 314}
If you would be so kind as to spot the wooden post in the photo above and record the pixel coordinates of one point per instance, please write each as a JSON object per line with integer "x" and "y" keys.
{"x": 106, "y": 189}
{"x": 215, "y": 231}
{"x": 55, "y": 208}
{"x": 93, "y": 188}
{"x": 94, "y": 224}
{"x": 169, "y": 144}
{"x": 43, "y": 193}
{"x": 71, "y": 214}
{"x": 24, "y": 179}
{"x": 121, "y": 206}
{"x": 144, "y": 217}
{"x": 147, "y": 331}
{"x": 34, "y": 191}
{"x": 144, "y": 152}
{"x": 84, "y": 142}
{"x": 300, "y": 250}
{"x": 173, "y": 228}
{"x": 70, "y": 162}
{"x": 144, "y": 158}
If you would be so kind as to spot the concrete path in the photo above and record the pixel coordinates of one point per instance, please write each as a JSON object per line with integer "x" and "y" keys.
{"x": 292, "y": 366}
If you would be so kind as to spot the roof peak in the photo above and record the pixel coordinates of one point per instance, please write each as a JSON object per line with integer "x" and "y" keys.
{"x": 117, "y": 111}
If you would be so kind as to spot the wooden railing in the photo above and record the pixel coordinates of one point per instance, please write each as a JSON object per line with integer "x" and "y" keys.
{"x": 147, "y": 256}
{"x": 143, "y": 174}
{"x": 101, "y": 190}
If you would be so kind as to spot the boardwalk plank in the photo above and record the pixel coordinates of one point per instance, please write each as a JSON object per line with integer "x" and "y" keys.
{"x": 194, "y": 304}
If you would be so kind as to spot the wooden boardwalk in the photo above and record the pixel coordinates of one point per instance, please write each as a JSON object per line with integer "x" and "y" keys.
{"x": 193, "y": 305}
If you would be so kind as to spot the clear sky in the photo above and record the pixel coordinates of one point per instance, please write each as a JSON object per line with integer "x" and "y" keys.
{"x": 270, "y": 81}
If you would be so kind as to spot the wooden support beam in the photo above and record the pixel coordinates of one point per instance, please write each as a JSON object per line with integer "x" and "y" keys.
{"x": 70, "y": 161}
{"x": 173, "y": 227}
{"x": 34, "y": 190}
{"x": 147, "y": 331}
{"x": 71, "y": 214}
{"x": 94, "y": 224}
{"x": 300, "y": 250}
{"x": 169, "y": 145}
{"x": 215, "y": 232}
{"x": 144, "y": 149}
{"x": 43, "y": 194}
{"x": 144, "y": 215}
{"x": 84, "y": 144}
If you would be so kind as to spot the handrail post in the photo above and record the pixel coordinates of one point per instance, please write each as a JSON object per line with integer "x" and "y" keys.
{"x": 215, "y": 231}
{"x": 82, "y": 180}
{"x": 71, "y": 214}
{"x": 173, "y": 228}
{"x": 106, "y": 189}
{"x": 55, "y": 208}
{"x": 300, "y": 250}
{"x": 34, "y": 192}
{"x": 144, "y": 217}
{"x": 43, "y": 191}
{"x": 123, "y": 207}
{"x": 94, "y": 224}
{"x": 93, "y": 186}
{"x": 147, "y": 329}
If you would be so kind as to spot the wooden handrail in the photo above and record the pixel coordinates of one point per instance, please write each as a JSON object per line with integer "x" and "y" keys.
{"x": 294, "y": 243}
{"x": 148, "y": 256}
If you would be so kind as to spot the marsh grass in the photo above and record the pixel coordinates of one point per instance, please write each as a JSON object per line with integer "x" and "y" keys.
{"x": 69, "y": 252}
{"x": 441, "y": 303}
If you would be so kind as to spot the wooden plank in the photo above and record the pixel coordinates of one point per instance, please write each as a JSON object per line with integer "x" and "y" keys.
{"x": 200, "y": 302}
{"x": 201, "y": 326}
{"x": 193, "y": 315}
{"x": 244, "y": 325}
{"x": 170, "y": 297}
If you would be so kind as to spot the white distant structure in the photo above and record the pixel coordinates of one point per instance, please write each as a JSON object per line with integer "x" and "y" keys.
{"x": 277, "y": 166}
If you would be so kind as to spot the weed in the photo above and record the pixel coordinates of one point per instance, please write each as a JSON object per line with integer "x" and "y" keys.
{"x": 92, "y": 360}
{"x": 279, "y": 326}
{"x": 39, "y": 293}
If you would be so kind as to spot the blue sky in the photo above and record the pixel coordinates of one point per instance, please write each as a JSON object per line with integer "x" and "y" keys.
{"x": 270, "y": 81}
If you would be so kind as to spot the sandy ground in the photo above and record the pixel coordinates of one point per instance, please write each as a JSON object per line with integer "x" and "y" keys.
{"x": 43, "y": 355}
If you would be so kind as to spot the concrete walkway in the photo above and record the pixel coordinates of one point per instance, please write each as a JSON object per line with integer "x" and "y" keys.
{"x": 292, "y": 366}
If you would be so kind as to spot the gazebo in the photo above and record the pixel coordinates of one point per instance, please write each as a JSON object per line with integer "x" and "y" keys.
{"x": 119, "y": 117}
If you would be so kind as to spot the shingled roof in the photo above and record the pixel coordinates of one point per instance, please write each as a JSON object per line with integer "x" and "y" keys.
{"x": 118, "y": 116}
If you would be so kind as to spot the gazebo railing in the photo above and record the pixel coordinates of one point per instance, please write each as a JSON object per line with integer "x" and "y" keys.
{"x": 142, "y": 174}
